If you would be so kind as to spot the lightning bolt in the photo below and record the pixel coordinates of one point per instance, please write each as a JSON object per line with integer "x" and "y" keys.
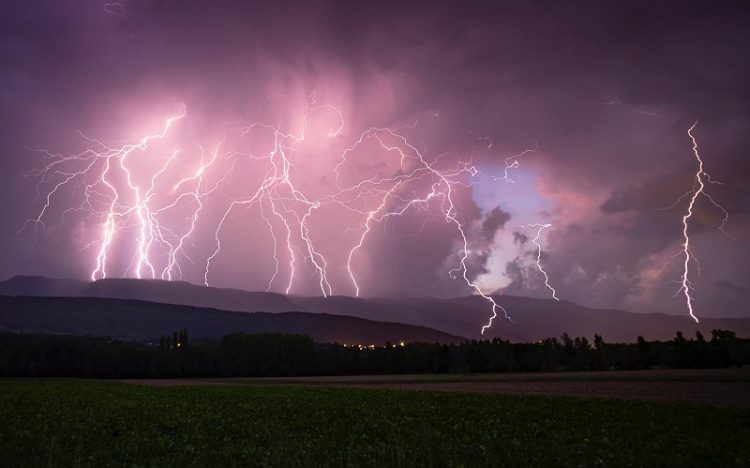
{"x": 279, "y": 191}
{"x": 700, "y": 180}
{"x": 535, "y": 240}
{"x": 140, "y": 207}
{"x": 103, "y": 164}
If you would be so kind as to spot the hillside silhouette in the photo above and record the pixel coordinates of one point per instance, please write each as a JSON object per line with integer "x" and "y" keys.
{"x": 532, "y": 319}
{"x": 128, "y": 319}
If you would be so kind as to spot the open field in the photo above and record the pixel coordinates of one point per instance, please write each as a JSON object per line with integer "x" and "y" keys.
{"x": 84, "y": 422}
{"x": 714, "y": 386}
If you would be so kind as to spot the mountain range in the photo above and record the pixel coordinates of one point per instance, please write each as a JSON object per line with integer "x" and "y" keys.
{"x": 128, "y": 319}
{"x": 430, "y": 319}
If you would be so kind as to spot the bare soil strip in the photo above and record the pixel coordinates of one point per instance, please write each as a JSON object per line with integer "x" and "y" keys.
{"x": 726, "y": 393}
{"x": 711, "y": 386}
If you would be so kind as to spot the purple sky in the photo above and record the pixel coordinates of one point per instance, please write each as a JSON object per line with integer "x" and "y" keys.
{"x": 603, "y": 92}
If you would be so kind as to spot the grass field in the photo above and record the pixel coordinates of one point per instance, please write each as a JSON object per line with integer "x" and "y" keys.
{"x": 67, "y": 422}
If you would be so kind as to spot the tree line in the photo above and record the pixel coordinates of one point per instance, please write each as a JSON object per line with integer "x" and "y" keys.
{"x": 278, "y": 354}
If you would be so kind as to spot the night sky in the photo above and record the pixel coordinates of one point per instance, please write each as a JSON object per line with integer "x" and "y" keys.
{"x": 589, "y": 103}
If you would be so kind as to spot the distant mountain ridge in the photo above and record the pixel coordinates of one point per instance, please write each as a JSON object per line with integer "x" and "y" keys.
{"x": 532, "y": 319}
{"x": 129, "y": 319}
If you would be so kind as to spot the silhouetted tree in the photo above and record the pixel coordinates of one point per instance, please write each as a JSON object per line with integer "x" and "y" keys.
{"x": 699, "y": 337}
{"x": 599, "y": 359}
{"x": 679, "y": 339}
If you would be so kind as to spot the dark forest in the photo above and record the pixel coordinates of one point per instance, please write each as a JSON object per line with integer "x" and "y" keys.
{"x": 276, "y": 354}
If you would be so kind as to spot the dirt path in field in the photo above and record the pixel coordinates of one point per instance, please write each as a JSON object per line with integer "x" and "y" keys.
{"x": 730, "y": 393}
{"x": 712, "y": 386}
{"x": 174, "y": 382}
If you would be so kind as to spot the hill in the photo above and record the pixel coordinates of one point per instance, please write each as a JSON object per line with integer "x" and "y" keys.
{"x": 138, "y": 320}
{"x": 532, "y": 319}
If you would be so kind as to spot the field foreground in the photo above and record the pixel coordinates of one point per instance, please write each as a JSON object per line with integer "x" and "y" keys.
{"x": 67, "y": 422}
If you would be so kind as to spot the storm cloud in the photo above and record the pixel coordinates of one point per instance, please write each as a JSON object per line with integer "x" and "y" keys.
{"x": 603, "y": 92}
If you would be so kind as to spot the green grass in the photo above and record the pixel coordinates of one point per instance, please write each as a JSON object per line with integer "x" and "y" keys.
{"x": 65, "y": 422}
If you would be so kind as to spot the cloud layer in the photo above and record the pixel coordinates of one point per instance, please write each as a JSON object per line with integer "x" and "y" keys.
{"x": 604, "y": 92}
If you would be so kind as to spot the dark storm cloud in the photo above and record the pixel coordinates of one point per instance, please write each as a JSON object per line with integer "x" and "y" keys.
{"x": 494, "y": 220}
{"x": 606, "y": 89}
{"x": 520, "y": 238}
{"x": 639, "y": 234}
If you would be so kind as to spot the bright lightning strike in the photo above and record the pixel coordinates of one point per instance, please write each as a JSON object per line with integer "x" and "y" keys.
{"x": 699, "y": 185}
{"x": 535, "y": 240}
{"x": 151, "y": 197}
